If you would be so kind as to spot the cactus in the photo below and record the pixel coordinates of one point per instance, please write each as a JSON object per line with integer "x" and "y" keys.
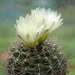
{"x": 33, "y": 53}
{"x": 45, "y": 60}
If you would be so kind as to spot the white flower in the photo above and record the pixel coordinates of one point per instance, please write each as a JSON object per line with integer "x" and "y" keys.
{"x": 36, "y": 27}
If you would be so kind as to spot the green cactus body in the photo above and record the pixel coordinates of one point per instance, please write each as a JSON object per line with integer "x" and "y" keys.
{"x": 48, "y": 59}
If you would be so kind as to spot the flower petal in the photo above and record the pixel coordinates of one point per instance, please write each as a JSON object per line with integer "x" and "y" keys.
{"x": 37, "y": 26}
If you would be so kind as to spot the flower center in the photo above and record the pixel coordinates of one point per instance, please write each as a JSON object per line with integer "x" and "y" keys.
{"x": 30, "y": 31}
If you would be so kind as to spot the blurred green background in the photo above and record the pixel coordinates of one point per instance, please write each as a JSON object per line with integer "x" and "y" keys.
{"x": 10, "y": 10}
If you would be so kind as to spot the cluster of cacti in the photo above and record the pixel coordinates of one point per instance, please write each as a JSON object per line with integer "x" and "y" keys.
{"x": 34, "y": 54}
{"x": 45, "y": 60}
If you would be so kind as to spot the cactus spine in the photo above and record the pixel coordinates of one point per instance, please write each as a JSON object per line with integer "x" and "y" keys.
{"x": 45, "y": 60}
